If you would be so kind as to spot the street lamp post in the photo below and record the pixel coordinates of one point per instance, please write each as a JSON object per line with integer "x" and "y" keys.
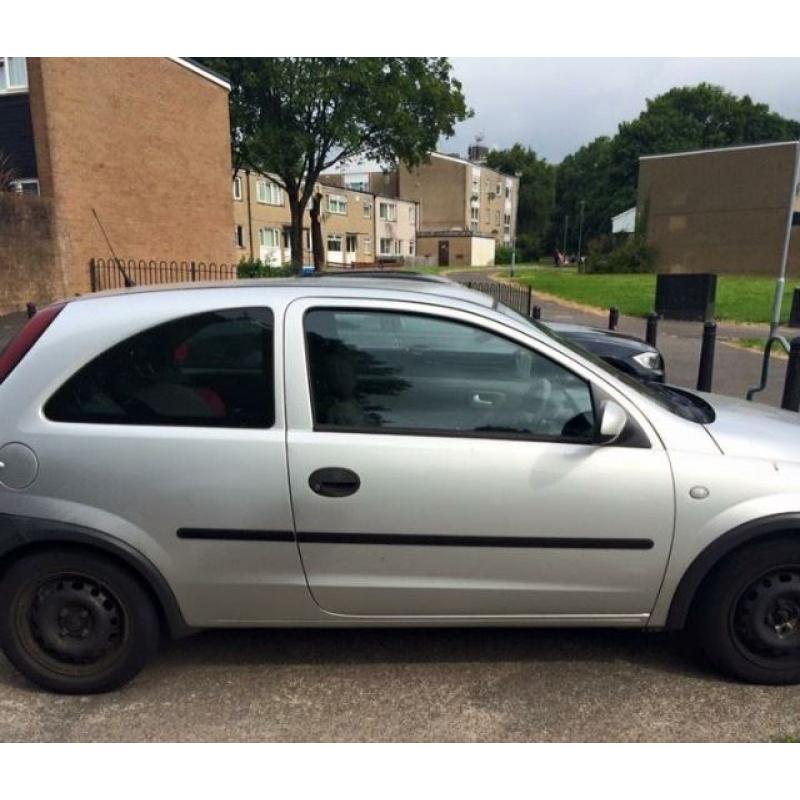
{"x": 580, "y": 232}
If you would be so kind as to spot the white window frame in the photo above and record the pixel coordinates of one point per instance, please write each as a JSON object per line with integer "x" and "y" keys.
{"x": 269, "y": 193}
{"x": 367, "y": 245}
{"x": 337, "y": 204}
{"x": 237, "y": 188}
{"x": 275, "y": 235}
{"x": 6, "y": 87}
{"x": 387, "y": 211}
{"x": 336, "y": 238}
{"x": 412, "y": 217}
{"x": 238, "y": 236}
{"x": 367, "y": 210}
{"x": 388, "y": 249}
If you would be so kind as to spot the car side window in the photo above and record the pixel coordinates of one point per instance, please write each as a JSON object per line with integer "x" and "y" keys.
{"x": 213, "y": 369}
{"x": 393, "y": 371}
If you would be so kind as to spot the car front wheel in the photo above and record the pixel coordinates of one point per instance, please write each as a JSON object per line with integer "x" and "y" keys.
{"x": 75, "y": 622}
{"x": 746, "y": 618}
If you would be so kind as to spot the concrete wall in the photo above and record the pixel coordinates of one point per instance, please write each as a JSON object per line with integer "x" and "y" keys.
{"x": 719, "y": 211}
{"x": 145, "y": 143}
{"x": 31, "y": 265}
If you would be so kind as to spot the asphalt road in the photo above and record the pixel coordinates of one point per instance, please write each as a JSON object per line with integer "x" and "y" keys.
{"x": 424, "y": 685}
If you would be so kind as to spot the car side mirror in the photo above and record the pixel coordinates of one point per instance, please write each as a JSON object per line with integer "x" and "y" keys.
{"x": 613, "y": 420}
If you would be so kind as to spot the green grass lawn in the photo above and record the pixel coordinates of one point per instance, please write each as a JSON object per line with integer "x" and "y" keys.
{"x": 740, "y": 298}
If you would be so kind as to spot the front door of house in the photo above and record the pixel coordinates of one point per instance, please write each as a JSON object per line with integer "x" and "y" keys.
{"x": 444, "y": 253}
{"x": 351, "y": 244}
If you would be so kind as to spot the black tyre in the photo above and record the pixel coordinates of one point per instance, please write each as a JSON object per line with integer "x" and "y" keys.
{"x": 75, "y": 622}
{"x": 746, "y": 618}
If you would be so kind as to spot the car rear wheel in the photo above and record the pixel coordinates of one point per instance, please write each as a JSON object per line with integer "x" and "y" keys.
{"x": 746, "y": 619}
{"x": 75, "y": 622}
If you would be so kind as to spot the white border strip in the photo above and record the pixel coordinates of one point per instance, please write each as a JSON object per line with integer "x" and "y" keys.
{"x": 200, "y": 71}
{"x": 719, "y": 150}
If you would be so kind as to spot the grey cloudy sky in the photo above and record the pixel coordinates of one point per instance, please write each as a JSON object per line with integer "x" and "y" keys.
{"x": 557, "y": 104}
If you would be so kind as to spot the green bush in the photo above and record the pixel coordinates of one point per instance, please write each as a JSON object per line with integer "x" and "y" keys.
{"x": 631, "y": 255}
{"x": 502, "y": 255}
{"x": 256, "y": 268}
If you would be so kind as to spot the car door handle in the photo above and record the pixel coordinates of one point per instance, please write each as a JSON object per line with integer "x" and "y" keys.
{"x": 334, "y": 482}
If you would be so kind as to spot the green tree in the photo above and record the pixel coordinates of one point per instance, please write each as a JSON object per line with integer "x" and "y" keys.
{"x": 297, "y": 117}
{"x": 537, "y": 192}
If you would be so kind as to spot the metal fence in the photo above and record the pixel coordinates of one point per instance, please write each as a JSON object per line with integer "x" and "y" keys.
{"x": 517, "y": 297}
{"x": 117, "y": 273}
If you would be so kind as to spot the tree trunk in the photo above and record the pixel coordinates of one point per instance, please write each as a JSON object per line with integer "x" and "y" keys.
{"x": 316, "y": 232}
{"x": 296, "y": 237}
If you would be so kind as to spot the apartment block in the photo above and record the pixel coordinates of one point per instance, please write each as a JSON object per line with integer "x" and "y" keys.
{"x": 359, "y": 228}
{"x": 721, "y": 210}
{"x": 123, "y": 154}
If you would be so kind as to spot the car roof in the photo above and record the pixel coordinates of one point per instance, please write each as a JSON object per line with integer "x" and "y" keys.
{"x": 429, "y": 285}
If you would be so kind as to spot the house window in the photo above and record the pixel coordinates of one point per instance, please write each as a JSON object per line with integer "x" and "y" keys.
{"x": 398, "y": 247}
{"x": 388, "y": 212}
{"x": 368, "y": 245}
{"x": 335, "y": 243}
{"x": 26, "y": 186}
{"x": 367, "y": 210}
{"x": 237, "y": 188}
{"x": 508, "y": 191}
{"x": 270, "y": 237}
{"x": 13, "y": 74}
{"x": 499, "y": 189}
{"x": 411, "y": 214}
{"x": 386, "y": 247}
{"x": 269, "y": 193}
{"x": 496, "y": 217}
{"x": 238, "y": 236}
{"x": 337, "y": 204}
{"x": 411, "y": 247}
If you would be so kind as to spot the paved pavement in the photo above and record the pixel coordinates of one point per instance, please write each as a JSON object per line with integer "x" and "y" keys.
{"x": 425, "y": 685}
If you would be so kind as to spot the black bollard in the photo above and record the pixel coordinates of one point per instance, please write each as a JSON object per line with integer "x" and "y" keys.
{"x": 613, "y": 318}
{"x": 530, "y": 299}
{"x": 651, "y": 333}
{"x": 705, "y": 373}
{"x": 791, "y": 389}
{"x": 31, "y": 309}
{"x": 537, "y": 312}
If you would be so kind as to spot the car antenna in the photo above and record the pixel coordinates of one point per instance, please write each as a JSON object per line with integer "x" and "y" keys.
{"x": 128, "y": 280}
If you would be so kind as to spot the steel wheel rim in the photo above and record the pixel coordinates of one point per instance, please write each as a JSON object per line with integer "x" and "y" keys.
{"x": 765, "y": 619}
{"x": 71, "y": 623}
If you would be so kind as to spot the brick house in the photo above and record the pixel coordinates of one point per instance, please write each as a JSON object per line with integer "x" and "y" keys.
{"x": 358, "y": 227}
{"x": 133, "y": 149}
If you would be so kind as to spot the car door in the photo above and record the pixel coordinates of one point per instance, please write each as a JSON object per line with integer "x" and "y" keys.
{"x": 442, "y": 464}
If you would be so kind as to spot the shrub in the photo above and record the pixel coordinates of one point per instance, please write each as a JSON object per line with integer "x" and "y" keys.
{"x": 502, "y": 255}
{"x": 256, "y": 268}
{"x": 631, "y": 255}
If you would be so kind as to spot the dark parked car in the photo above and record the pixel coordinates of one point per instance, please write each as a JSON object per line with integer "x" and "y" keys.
{"x": 626, "y": 353}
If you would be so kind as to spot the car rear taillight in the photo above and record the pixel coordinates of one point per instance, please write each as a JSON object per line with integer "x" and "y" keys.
{"x": 26, "y": 338}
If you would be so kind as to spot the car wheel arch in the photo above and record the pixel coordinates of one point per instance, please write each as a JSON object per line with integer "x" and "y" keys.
{"x": 764, "y": 528}
{"x": 21, "y": 536}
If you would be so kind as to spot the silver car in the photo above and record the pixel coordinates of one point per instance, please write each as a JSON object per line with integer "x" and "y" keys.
{"x": 366, "y": 452}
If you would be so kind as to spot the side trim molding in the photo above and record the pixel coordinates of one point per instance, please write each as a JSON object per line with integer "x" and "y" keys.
{"x": 233, "y": 535}
{"x": 444, "y": 540}
{"x": 718, "y": 549}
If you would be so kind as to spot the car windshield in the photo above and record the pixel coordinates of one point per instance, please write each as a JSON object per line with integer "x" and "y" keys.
{"x": 678, "y": 401}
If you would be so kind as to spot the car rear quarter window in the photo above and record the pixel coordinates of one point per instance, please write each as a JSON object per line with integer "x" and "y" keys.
{"x": 213, "y": 369}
